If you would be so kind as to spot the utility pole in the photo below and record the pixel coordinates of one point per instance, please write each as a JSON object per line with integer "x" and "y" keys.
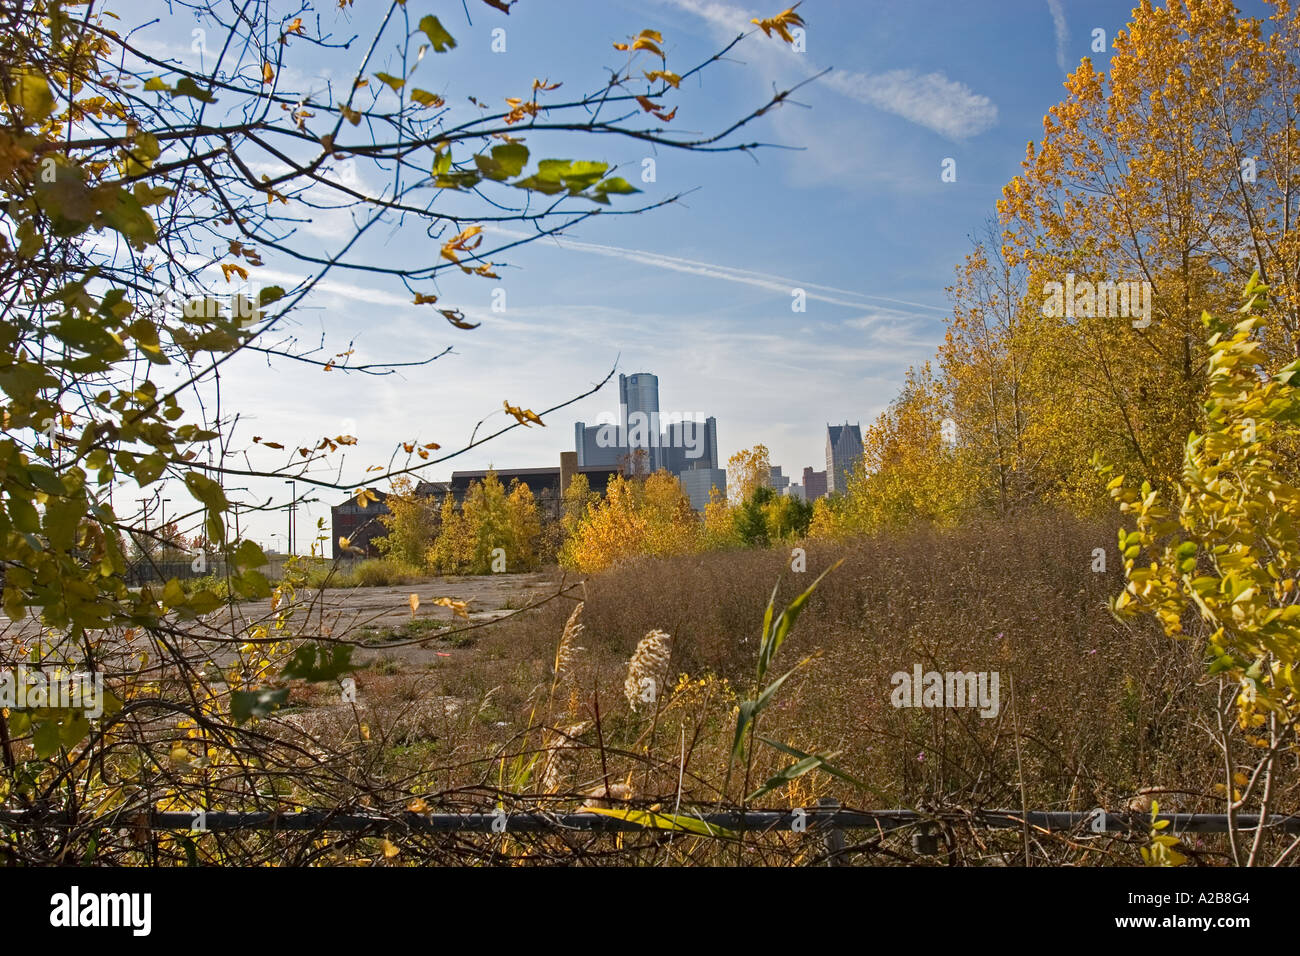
{"x": 293, "y": 507}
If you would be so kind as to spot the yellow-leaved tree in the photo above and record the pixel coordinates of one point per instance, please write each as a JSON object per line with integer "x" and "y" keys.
{"x": 651, "y": 517}
{"x": 411, "y": 523}
{"x": 748, "y": 470}
{"x": 1218, "y": 558}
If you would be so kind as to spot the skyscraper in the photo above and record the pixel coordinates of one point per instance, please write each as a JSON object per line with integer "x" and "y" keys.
{"x": 638, "y": 399}
{"x": 698, "y": 483}
{"x": 643, "y": 438}
{"x": 814, "y": 483}
{"x": 843, "y": 453}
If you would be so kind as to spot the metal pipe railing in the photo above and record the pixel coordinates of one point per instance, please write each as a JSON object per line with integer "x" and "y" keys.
{"x": 798, "y": 820}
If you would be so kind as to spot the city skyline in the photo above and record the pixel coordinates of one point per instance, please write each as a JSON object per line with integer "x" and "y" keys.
{"x": 773, "y": 338}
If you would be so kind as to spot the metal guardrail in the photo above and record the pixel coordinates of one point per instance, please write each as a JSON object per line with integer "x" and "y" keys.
{"x": 822, "y": 818}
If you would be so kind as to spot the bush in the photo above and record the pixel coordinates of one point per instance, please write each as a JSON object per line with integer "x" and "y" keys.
{"x": 379, "y": 572}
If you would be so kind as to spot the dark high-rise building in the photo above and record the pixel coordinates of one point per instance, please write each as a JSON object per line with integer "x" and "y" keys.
{"x": 689, "y": 444}
{"x": 598, "y": 446}
{"x": 814, "y": 484}
{"x": 843, "y": 453}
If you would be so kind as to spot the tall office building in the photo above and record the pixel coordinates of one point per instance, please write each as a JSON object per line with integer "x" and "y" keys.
{"x": 638, "y": 399}
{"x": 698, "y": 483}
{"x": 689, "y": 444}
{"x": 593, "y": 452}
{"x": 644, "y": 438}
{"x": 843, "y": 453}
{"x": 814, "y": 484}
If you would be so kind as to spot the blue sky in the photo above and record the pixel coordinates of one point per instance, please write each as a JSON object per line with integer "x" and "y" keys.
{"x": 699, "y": 293}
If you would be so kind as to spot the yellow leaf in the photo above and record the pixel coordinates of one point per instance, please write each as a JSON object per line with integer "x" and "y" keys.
{"x": 523, "y": 415}
{"x": 641, "y": 43}
{"x": 457, "y": 318}
{"x": 458, "y": 608}
{"x": 414, "y": 602}
{"x": 462, "y": 243}
{"x": 268, "y": 74}
{"x": 781, "y": 23}
{"x": 672, "y": 79}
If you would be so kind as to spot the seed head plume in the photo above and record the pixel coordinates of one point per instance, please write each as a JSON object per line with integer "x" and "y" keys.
{"x": 647, "y": 672}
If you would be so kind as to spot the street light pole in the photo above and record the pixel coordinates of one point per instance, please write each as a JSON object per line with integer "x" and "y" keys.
{"x": 293, "y": 507}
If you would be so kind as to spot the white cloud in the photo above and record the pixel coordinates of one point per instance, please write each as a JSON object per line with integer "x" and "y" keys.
{"x": 931, "y": 100}
{"x": 1062, "y": 31}
{"x": 762, "y": 280}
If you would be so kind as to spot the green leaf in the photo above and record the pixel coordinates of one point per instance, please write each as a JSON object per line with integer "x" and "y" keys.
{"x": 24, "y": 515}
{"x": 664, "y": 821}
{"x": 506, "y": 160}
{"x": 173, "y": 595}
{"x": 201, "y": 602}
{"x": 249, "y": 554}
{"x": 583, "y": 173}
{"x": 269, "y": 294}
{"x": 30, "y": 93}
{"x": 73, "y": 728}
{"x": 824, "y": 766}
{"x": 746, "y": 714}
{"x": 781, "y": 629}
{"x": 45, "y": 739}
{"x": 187, "y": 87}
{"x": 251, "y": 585}
{"x": 207, "y": 492}
{"x": 617, "y": 185}
{"x": 122, "y": 212}
{"x": 750, "y": 709}
{"x": 438, "y": 36}
{"x": 148, "y": 469}
{"x": 795, "y": 770}
{"x": 67, "y": 200}
{"x": 316, "y": 663}
{"x": 767, "y": 630}
{"x": 458, "y": 179}
{"x": 142, "y": 152}
{"x": 425, "y": 98}
{"x": 246, "y": 704}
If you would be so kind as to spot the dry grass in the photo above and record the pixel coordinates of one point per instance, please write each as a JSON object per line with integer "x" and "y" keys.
{"x": 1103, "y": 714}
